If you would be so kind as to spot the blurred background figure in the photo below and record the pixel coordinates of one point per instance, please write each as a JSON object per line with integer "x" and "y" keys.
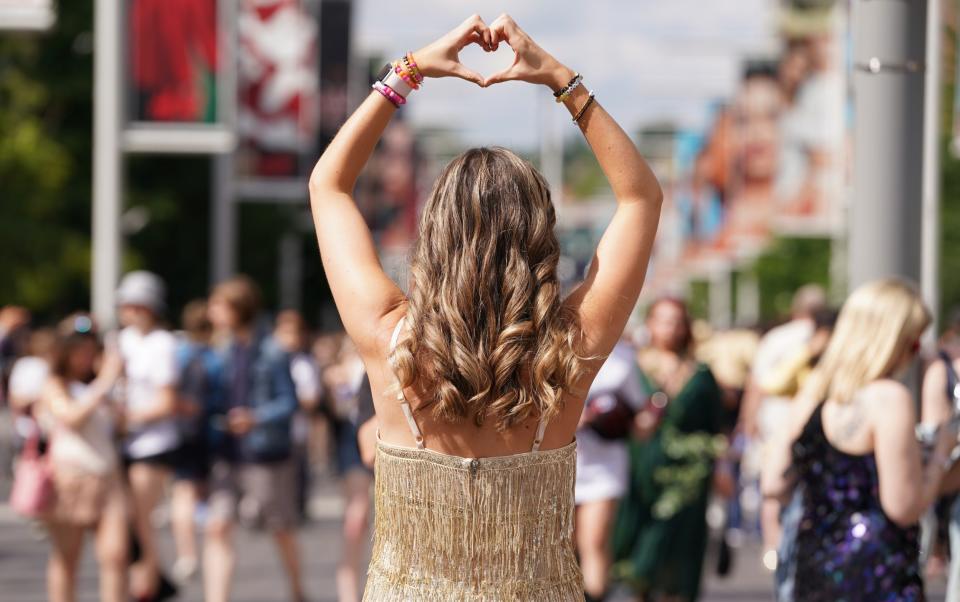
{"x": 344, "y": 380}
{"x": 292, "y": 334}
{"x": 14, "y": 329}
{"x": 850, "y": 442}
{"x": 661, "y": 533}
{"x": 152, "y": 434}
{"x": 253, "y": 460}
{"x": 82, "y": 422}
{"x": 762, "y": 412}
{"x": 940, "y": 401}
{"x": 603, "y": 462}
{"x": 27, "y": 379}
{"x": 199, "y": 391}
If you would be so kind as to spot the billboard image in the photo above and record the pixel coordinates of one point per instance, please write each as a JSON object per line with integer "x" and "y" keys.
{"x": 278, "y": 80}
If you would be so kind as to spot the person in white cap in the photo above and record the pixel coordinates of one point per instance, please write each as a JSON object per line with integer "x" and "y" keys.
{"x": 149, "y": 356}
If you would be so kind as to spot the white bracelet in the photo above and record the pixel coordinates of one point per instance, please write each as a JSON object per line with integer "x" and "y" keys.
{"x": 397, "y": 83}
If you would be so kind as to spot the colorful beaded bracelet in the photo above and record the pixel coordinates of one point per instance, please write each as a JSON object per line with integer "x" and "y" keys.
{"x": 564, "y": 94}
{"x": 412, "y": 66}
{"x": 405, "y": 74}
{"x": 389, "y": 93}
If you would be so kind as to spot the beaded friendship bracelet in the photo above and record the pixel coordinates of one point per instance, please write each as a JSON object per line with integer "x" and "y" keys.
{"x": 389, "y": 93}
{"x": 400, "y": 68}
{"x": 564, "y": 93}
{"x": 583, "y": 109}
{"x": 412, "y": 66}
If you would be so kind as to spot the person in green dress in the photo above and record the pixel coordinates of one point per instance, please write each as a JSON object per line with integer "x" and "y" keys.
{"x": 661, "y": 530}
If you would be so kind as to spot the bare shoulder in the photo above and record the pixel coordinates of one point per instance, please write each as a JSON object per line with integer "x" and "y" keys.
{"x": 936, "y": 370}
{"x": 892, "y": 400}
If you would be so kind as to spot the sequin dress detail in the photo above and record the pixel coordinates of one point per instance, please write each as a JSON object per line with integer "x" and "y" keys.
{"x": 449, "y": 528}
{"x": 848, "y": 550}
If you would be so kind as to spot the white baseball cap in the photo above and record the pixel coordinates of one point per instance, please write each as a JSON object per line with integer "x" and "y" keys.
{"x": 142, "y": 288}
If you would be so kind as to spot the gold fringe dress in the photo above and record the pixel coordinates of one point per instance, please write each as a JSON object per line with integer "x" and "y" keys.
{"x": 494, "y": 529}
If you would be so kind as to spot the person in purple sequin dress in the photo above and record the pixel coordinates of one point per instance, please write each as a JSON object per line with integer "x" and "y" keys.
{"x": 851, "y": 444}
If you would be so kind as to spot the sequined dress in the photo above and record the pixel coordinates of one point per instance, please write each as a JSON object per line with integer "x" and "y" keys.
{"x": 449, "y": 528}
{"x": 847, "y": 548}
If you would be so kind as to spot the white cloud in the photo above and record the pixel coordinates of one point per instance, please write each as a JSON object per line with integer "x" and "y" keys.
{"x": 646, "y": 59}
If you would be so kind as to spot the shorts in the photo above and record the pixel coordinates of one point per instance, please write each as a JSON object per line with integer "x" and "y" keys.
{"x": 271, "y": 487}
{"x": 165, "y": 459}
{"x": 192, "y": 462}
{"x": 81, "y": 496}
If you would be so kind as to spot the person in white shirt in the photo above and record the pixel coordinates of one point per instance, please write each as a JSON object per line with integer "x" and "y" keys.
{"x": 762, "y": 414}
{"x": 602, "y": 467}
{"x": 153, "y": 439}
{"x": 27, "y": 379}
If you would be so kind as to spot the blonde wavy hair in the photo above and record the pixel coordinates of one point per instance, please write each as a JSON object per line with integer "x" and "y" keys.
{"x": 488, "y": 338}
{"x": 875, "y": 332}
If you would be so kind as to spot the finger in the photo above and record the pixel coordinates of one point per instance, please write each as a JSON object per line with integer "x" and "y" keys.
{"x": 474, "y": 25}
{"x": 467, "y": 74}
{"x": 472, "y": 38}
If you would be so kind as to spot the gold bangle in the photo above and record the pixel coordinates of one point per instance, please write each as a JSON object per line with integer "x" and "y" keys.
{"x": 584, "y": 108}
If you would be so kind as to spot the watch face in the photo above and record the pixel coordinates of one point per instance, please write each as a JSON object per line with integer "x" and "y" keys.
{"x": 387, "y": 70}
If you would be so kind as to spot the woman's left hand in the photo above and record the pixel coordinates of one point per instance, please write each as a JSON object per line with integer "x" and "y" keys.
{"x": 442, "y": 58}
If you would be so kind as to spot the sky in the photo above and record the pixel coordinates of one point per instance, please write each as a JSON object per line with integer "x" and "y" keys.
{"x": 647, "y": 60}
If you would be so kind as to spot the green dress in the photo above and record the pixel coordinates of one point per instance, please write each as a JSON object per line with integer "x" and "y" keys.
{"x": 661, "y": 530}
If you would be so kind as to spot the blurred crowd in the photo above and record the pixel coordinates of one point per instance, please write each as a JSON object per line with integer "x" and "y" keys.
{"x": 234, "y": 416}
{"x": 227, "y": 419}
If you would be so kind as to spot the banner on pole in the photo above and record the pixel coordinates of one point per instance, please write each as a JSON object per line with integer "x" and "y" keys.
{"x": 179, "y": 76}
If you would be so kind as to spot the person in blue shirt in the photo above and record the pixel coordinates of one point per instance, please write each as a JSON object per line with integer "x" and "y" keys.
{"x": 200, "y": 393}
{"x": 252, "y": 453}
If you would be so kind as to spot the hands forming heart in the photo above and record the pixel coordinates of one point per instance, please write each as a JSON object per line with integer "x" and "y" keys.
{"x": 531, "y": 63}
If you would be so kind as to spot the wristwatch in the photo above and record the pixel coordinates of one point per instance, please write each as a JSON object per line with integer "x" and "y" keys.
{"x": 389, "y": 77}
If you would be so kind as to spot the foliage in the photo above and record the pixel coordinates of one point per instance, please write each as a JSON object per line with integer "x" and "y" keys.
{"x": 45, "y": 113}
{"x": 786, "y": 265}
{"x": 46, "y": 88}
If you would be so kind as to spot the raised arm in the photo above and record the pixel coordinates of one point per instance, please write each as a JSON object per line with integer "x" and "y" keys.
{"x": 362, "y": 291}
{"x": 609, "y": 292}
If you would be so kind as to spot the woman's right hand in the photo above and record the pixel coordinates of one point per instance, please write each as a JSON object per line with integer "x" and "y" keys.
{"x": 531, "y": 63}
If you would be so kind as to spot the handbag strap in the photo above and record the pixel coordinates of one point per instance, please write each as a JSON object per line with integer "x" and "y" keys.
{"x": 31, "y": 447}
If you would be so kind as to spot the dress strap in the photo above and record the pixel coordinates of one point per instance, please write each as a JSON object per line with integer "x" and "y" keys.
{"x": 404, "y": 404}
{"x": 541, "y": 428}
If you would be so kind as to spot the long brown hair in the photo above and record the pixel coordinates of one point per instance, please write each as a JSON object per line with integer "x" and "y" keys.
{"x": 488, "y": 337}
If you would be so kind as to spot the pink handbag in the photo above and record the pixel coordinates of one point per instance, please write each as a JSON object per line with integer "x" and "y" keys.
{"x": 33, "y": 491}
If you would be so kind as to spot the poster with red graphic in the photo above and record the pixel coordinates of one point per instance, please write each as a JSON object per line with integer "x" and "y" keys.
{"x": 179, "y": 75}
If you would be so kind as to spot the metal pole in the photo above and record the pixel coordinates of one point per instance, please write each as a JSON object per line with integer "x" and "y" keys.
{"x": 551, "y": 149}
{"x": 107, "y": 161}
{"x": 930, "y": 239}
{"x": 721, "y": 295}
{"x": 223, "y": 222}
{"x": 888, "y": 139}
{"x": 748, "y": 300}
